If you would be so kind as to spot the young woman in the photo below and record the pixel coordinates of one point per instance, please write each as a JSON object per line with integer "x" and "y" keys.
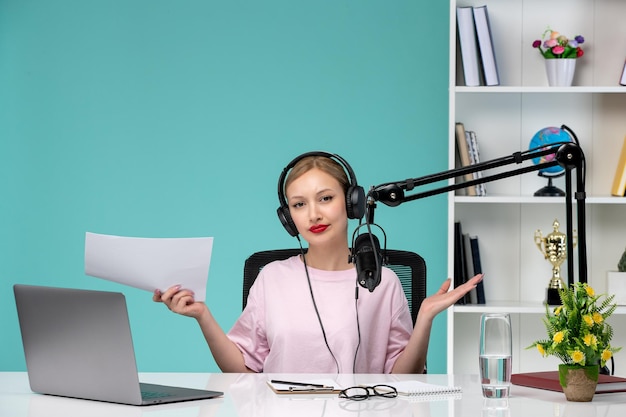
{"x": 302, "y": 315}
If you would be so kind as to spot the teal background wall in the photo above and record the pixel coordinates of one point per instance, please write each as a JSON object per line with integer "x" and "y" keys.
{"x": 174, "y": 118}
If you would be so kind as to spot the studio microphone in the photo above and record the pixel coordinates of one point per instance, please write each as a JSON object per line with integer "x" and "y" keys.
{"x": 368, "y": 259}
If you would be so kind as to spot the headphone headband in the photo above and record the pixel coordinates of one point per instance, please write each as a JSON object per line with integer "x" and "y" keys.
{"x": 283, "y": 175}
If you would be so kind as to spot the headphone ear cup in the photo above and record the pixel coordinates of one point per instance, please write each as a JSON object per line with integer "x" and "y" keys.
{"x": 355, "y": 202}
{"x": 285, "y": 219}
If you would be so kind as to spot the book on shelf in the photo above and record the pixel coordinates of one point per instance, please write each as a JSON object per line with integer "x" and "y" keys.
{"x": 485, "y": 44}
{"x": 468, "y": 45}
{"x": 459, "y": 262}
{"x": 622, "y": 80}
{"x": 619, "y": 181}
{"x": 463, "y": 154}
{"x": 477, "y": 269}
{"x": 469, "y": 266}
{"x": 549, "y": 380}
{"x": 472, "y": 145}
{"x": 473, "y": 266}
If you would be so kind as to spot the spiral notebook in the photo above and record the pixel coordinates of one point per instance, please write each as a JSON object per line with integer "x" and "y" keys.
{"x": 415, "y": 388}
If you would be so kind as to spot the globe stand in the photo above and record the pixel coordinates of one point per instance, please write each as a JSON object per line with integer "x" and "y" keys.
{"x": 550, "y": 190}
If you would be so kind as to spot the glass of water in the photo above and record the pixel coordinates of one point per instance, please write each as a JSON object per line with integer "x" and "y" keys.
{"x": 495, "y": 354}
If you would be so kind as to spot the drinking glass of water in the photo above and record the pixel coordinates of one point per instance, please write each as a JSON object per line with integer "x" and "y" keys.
{"x": 495, "y": 354}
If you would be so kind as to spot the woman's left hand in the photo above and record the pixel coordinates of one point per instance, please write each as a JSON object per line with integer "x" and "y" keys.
{"x": 444, "y": 297}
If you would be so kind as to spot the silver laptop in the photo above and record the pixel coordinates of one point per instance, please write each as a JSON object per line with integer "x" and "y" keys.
{"x": 77, "y": 343}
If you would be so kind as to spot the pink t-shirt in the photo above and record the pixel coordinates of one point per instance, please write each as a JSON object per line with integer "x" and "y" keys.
{"x": 279, "y": 330}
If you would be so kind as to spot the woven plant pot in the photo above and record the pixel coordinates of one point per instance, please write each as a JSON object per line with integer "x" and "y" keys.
{"x": 579, "y": 382}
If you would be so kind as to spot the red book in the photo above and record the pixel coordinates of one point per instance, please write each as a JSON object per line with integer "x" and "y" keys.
{"x": 550, "y": 381}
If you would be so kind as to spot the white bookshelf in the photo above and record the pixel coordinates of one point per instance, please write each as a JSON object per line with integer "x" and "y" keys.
{"x": 505, "y": 118}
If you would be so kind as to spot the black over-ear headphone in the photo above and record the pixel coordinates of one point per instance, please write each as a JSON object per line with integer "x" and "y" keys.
{"x": 355, "y": 195}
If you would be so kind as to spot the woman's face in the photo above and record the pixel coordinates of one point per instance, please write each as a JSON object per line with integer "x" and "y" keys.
{"x": 317, "y": 205}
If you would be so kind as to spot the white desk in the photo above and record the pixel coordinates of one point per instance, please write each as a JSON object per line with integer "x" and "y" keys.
{"x": 247, "y": 395}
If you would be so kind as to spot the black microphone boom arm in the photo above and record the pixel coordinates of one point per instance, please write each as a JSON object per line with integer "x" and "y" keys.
{"x": 569, "y": 155}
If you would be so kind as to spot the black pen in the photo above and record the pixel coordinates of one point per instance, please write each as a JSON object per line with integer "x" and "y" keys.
{"x": 298, "y": 384}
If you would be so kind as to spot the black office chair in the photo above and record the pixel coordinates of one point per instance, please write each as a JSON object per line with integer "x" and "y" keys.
{"x": 409, "y": 266}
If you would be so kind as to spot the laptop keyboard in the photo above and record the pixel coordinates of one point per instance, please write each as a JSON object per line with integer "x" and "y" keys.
{"x": 150, "y": 395}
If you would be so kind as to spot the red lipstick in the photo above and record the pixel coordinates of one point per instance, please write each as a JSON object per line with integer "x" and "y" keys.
{"x": 318, "y": 228}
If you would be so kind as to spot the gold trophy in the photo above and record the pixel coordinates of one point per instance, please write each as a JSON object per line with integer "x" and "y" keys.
{"x": 554, "y": 249}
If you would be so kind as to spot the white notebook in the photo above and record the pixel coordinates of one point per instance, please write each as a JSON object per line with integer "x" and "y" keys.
{"x": 419, "y": 388}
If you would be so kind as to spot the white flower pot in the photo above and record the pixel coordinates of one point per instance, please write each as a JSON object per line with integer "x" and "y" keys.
{"x": 560, "y": 71}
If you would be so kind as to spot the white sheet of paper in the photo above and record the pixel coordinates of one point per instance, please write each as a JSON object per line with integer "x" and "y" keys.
{"x": 150, "y": 263}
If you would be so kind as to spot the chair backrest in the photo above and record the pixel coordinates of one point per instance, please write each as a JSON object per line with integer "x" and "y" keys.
{"x": 409, "y": 266}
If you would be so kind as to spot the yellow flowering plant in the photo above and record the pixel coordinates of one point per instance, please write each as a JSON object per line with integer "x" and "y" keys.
{"x": 578, "y": 333}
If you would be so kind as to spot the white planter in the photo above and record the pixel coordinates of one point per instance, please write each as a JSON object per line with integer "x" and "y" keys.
{"x": 560, "y": 71}
{"x": 616, "y": 284}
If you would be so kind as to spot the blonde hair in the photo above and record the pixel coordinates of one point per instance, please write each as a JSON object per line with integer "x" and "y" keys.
{"x": 324, "y": 164}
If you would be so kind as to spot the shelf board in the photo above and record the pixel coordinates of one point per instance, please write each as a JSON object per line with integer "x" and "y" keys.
{"x": 511, "y": 307}
{"x": 542, "y": 89}
{"x": 500, "y": 307}
{"x": 507, "y": 199}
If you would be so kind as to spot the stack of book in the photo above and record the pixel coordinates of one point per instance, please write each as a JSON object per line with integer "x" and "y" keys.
{"x": 468, "y": 154}
{"x": 476, "y": 44}
{"x": 467, "y": 263}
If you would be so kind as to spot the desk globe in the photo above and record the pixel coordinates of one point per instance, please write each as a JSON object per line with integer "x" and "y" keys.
{"x": 544, "y": 139}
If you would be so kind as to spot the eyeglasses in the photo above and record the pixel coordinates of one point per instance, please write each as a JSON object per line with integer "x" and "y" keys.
{"x": 363, "y": 393}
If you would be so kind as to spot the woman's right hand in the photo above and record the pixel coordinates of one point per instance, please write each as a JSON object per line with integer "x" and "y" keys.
{"x": 180, "y": 301}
